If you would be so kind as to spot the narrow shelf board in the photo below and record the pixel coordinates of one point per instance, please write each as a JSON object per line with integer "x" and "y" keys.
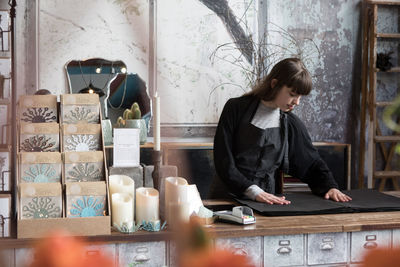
{"x": 204, "y": 143}
{"x": 5, "y": 101}
{"x": 176, "y": 142}
{"x": 388, "y": 35}
{"x": 5, "y": 54}
{"x": 389, "y": 138}
{"x": 395, "y": 69}
{"x": 386, "y": 174}
{"x": 146, "y": 145}
{"x": 383, "y": 2}
{"x": 384, "y": 103}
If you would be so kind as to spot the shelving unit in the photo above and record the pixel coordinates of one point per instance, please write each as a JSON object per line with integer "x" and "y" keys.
{"x": 6, "y": 106}
{"x": 379, "y": 139}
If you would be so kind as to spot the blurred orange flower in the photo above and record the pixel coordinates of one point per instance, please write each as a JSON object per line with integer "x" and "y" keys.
{"x": 61, "y": 250}
{"x": 382, "y": 257}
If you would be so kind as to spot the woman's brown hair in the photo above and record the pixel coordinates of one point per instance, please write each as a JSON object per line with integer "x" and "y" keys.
{"x": 290, "y": 72}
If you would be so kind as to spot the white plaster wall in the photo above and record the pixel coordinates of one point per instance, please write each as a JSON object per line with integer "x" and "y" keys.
{"x": 76, "y": 29}
{"x": 193, "y": 88}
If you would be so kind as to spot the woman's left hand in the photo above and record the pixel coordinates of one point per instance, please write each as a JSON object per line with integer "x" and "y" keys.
{"x": 337, "y": 196}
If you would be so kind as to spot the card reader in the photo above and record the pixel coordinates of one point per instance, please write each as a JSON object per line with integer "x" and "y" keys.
{"x": 239, "y": 214}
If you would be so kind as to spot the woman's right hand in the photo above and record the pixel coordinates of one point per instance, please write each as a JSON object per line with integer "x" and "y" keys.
{"x": 271, "y": 199}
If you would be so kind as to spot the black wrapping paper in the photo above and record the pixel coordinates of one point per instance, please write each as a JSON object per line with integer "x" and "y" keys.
{"x": 305, "y": 203}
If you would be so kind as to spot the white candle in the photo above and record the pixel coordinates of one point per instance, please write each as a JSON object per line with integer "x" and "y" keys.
{"x": 156, "y": 122}
{"x": 122, "y": 184}
{"x": 176, "y": 189}
{"x": 147, "y": 204}
{"x": 122, "y": 209}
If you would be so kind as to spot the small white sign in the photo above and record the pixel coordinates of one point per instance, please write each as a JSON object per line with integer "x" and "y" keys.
{"x": 126, "y": 147}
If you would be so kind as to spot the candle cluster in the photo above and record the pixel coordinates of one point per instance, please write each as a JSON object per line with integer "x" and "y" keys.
{"x": 180, "y": 200}
{"x": 122, "y": 191}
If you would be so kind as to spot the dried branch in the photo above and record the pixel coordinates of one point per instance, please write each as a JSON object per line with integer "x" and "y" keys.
{"x": 225, "y": 13}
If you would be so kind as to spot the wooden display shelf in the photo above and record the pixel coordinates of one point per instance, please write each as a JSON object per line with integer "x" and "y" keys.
{"x": 388, "y": 35}
{"x": 392, "y": 70}
{"x": 383, "y": 2}
{"x": 265, "y": 226}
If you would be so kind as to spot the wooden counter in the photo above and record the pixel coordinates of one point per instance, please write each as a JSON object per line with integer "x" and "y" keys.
{"x": 323, "y": 240}
{"x": 265, "y": 226}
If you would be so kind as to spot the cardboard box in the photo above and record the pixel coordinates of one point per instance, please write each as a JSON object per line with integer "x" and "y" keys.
{"x": 75, "y": 226}
{"x": 38, "y": 108}
{"x": 88, "y": 226}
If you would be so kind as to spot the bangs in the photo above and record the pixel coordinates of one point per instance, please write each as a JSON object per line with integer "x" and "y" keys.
{"x": 301, "y": 83}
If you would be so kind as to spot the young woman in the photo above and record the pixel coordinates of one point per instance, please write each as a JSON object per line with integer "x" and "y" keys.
{"x": 258, "y": 137}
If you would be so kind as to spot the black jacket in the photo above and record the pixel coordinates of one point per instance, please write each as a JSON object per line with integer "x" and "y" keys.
{"x": 304, "y": 160}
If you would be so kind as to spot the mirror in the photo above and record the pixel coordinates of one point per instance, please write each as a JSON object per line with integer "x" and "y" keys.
{"x": 126, "y": 89}
{"x": 116, "y": 88}
{"x": 93, "y": 76}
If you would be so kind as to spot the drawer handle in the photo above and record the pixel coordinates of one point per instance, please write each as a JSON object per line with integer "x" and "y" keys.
{"x": 327, "y": 246}
{"x": 284, "y": 250}
{"x": 240, "y": 251}
{"x": 239, "y": 248}
{"x": 370, "y": 245}
{"x": 238, "y": 245}
{"x": 141, "y": 258}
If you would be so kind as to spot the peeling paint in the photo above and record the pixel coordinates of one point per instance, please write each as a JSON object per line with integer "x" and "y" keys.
{"x": 330, "y": 24}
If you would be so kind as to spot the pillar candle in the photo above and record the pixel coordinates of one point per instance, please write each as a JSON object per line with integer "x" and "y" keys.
{"x": 156, "y": 122}
{"x": 122, "y": 209}
{"x": 122, "y": 184}
{"x": 147, "y": 204}
{"x": 175, "y": 191}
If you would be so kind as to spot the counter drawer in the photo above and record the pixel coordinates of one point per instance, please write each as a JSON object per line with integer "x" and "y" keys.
{"x": 7, "y": 257}
{"x": 173, "y": 257}
{"x": 24, "y": 256}
{"x": 249, "y": 246}
{"x": 284, "y": 250}
{"x": 396, "y": 238}
{"x": 150, "y": 254}
{"x": 107, "y": 250}
{"x": 362, "y": 242}
{"x": 326, "y": 248}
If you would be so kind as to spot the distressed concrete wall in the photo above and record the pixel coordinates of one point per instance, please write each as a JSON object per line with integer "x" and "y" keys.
{"x": 194, "y": 89}
{"x": 332, "y": 58}
{"x": 119, "y": 30}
